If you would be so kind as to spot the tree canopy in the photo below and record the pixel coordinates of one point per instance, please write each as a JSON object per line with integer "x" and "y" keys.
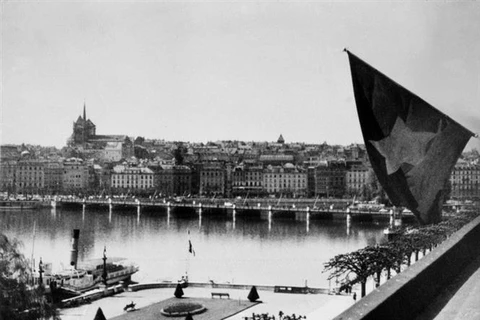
{"x": 18, "y": 300}
{"x": 373, "y": 260}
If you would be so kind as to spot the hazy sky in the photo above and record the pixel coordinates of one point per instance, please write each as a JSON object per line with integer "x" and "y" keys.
{"x": 206, "y": 71}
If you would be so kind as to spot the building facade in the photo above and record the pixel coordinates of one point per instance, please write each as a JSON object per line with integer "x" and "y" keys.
{"x": 247, "y": 181}
{"x": 29, "y": 176}
{"x": 182, "y": 180}
{"x": 356, "y": 179}
{"x": 76, "y": 176}
{"x": 132, "y": 179}
{"x": 53, "y": 173}
{"x": 287, "y": 180}
{"x": 7, "y": 176}
{"x": 465, "y": 181}
{"x": 212, "y": 179}
{"x": 330, "y": 179}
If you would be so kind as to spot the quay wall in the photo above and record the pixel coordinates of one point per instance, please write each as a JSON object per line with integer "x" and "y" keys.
{"x": 285, "y": 289}
{"x": 92, "y": 295}
{"x": 410, "y": 292}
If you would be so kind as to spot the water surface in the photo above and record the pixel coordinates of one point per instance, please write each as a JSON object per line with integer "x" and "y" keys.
{"x": 240, "y": 250}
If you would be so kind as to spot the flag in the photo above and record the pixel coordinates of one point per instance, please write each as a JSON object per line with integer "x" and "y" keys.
{"x": 190, "y": 248}
{"x": 411, "y": 145}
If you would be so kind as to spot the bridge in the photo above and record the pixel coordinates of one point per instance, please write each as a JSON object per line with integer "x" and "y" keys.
{"x": 299, "y": 209}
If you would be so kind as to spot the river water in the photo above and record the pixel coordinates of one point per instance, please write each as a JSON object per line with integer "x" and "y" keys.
{"x": 241, "y": 250}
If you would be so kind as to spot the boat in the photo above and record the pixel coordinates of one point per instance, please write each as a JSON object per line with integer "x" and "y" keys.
{"x": 85, "y": 276}
{"x": 90, "y": 277}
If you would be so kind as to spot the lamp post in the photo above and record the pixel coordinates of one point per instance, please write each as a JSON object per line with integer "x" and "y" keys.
{"x": 104, "y": 274}
{"x": 40, "y": 272}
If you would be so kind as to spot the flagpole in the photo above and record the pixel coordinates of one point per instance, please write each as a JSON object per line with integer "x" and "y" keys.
{"x": 187, "y": 261}
{"x": 427, "y": 104}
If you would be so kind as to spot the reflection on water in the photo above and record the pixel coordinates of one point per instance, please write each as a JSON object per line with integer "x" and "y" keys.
{"x": 227, "y": 249}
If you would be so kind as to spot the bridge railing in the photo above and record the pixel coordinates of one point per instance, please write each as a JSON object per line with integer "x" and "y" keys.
{"x": 226, "y": 205}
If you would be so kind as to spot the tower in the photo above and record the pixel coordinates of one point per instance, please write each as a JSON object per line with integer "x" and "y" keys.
{"x": 83, "y": 128}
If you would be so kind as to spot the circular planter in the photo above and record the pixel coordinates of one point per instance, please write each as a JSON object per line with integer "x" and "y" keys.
{"x": 180, "y": 309}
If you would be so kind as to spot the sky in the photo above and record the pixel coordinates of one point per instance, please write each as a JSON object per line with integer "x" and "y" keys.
{"x": 206, "y": 71}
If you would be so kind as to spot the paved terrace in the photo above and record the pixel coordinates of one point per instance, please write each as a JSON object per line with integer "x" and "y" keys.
{"x": 313, "y": 306}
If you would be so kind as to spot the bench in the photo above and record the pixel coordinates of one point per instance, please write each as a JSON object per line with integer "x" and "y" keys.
{"x": 220, "y": 295}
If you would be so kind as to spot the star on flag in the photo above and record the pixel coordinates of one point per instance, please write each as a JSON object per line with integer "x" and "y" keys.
{"x": 403, "y": 146}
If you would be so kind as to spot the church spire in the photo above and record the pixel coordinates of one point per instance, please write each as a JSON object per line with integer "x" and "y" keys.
{"x": 84, "y": 111}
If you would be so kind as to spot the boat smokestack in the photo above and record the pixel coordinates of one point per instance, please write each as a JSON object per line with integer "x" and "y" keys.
{"x": 74, "y": 251}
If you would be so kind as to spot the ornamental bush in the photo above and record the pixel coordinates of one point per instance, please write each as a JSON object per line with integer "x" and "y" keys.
{"x": 253, "y": 295}
{"x": 178, "y": 291}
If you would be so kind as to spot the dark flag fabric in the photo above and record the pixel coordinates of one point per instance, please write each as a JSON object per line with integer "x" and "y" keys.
{"x": 190, "y": 248}
{"x": 411, "y": 145}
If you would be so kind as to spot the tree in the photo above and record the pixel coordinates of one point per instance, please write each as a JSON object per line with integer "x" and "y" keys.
{"x": 380, "y": 258}
{"x": 373, "y": 260}
{"x": 139, "y": 141}
{"x": 17, "y": 299}
{"x": 343, "y": 265}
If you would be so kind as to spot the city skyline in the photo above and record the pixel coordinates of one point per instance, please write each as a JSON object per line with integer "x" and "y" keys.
{"x": 248, "y": 71}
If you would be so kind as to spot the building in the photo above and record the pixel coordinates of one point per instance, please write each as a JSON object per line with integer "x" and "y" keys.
{"x": 83, "y": 129}
{"x": 465, "y": 181}
{"x": 212, "y": 179}
{"x": 29, "y": 176}
{"x": 356, "y": 179}
{"x": 132, "y": 179}
{"x": 163, "y": 179}
{"x": 85, "y": 137}
{"x": 182, "y": 180}
{"x": 9, "y": 153}
{"x": 172, "y": 180}
{"x": 311, "y": 181}
{"x": 53, "y": 177}
{"x": 113, "y": 151}
{"x": 7, "y": 176}
{"x": 103, "y": 178}
{"x": 76, "y": 176}
{"x": 276, "y": 159}
{"x": 287, "y": 180}
{"x": 330, "y": 179}
{"x": 247, "y": 181}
